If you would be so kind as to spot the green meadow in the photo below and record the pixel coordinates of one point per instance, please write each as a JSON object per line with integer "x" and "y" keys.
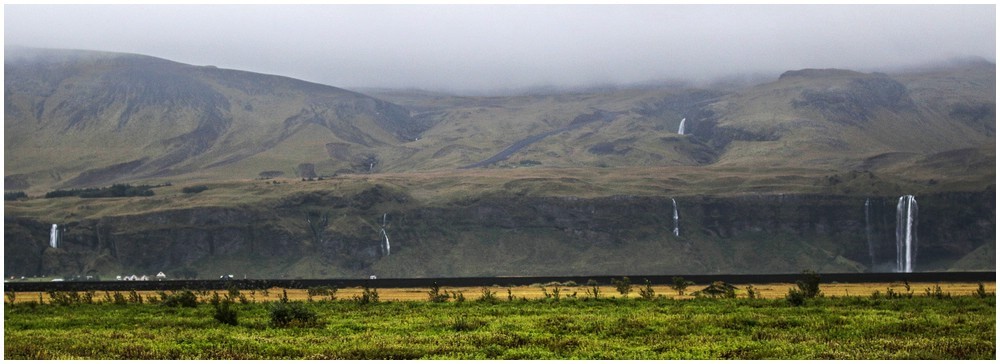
{"x": 495, "y": 326}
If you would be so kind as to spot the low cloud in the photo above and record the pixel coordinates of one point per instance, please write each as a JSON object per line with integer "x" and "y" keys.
{"x": 486, "y": 47}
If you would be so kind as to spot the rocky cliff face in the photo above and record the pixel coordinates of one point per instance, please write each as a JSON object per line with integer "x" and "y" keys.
{"x": 317, "y": 235}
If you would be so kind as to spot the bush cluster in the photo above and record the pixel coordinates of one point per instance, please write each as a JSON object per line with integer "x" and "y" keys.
{"x": 488, "y": 296}
{"x": 646, "y": 292}
{"x": 117, "y": 190}
{"x": 368, "y": 295}
{"x": 225, "y": 313}
{"x": 623, "y": 286}
{"x": 808, "y": 287}
{"x": 194, "y": 189}
{"x": 292, "y": 314}
{"x": 680, "y": 285}
{"x": 436, "y": 295}
{"x": 719, "y": 289}
{"x": 330, "y": 292}
{"x": 183, "y": 298}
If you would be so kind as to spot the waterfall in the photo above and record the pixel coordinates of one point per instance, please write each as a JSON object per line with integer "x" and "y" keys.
{"x": 868, "y": 231}
{"x": 54, "y": 236}
{"x": 906, "y": 233}
{"x": 386, "y": 236}
{"x": 680, "y": 129}
{"x": 677, "y": 227}
{"x": 386, "y": 242}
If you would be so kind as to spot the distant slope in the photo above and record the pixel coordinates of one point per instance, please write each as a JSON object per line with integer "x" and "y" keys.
{"x": 546, "y": 128}
{"x": 77, "y": 118}
{"x": 836, "y": 120}
{"x": 840, "y": 119}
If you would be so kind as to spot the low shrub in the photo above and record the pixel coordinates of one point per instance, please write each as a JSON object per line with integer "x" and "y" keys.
{"x": 117, "y": 190}
{"x": 224, "y": 313}
{"x": 183, "y": 298}
{"x": 488, "y": 296}
{"x": 134, "y": 297}
{"x": 556, "y": 293}
{"x": 809, "y": 284}
{"x": 623, "y": 286}
{"x": 595, "y": 290}
{"x": 680, "y": 285}
{"x": 719, "y": 289}
{"x": 368, "y": 295}
{"x": 981, "y": 291}
{"x": 646, "y": 292}
{"x": 292, "y": 314}
{"x": 14, "y": 195}
{"x": 435, "y": 294}
{"x": 62, "y": 298}
{"x": 194, "y": 189}
{"x": 936, "y": 293}
{"x": 795, "y": 297}
{"x": 329, "y": 292}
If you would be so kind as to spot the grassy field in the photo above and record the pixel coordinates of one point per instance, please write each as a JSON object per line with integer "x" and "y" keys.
{"x": 404, "y": 324}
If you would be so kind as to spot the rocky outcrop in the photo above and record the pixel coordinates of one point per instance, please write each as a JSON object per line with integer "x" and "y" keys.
{"x": 856, "y": 101}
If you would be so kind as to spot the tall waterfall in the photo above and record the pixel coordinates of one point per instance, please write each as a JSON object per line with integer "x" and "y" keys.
{"x": 54, "y": 236}
{"x": 677, "y": 227}
{"x": 868, "y": 230}
{"x": 386, "y": 242}
{"x": 386, "y": 236}
{"x": 680, "y": 129}
{"x": 906, "y": 233}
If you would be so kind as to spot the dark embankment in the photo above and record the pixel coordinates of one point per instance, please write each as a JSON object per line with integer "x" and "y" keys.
{"x": 316, "y": 235}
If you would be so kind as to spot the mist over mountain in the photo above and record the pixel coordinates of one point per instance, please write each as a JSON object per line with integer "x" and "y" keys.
{"x": 302, "y": 177}
{"x": 489, "y": 48}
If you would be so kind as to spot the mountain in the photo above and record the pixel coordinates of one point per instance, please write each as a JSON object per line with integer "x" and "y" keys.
{"x": 297, "y": 179}
{"x": 79, "y": 119}
{"x": 826, "y": 119}
{"x": 137, "y": 118}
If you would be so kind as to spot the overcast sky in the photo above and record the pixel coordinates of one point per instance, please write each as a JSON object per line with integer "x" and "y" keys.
{"x": 480, "y": 47}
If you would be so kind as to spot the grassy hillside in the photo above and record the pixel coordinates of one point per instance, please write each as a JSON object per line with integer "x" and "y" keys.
{"x": 86, "y": 118}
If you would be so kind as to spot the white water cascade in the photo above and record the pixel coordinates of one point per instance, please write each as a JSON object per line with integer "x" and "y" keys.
{"x": 906, "y": 233}
{"x": 54, "y": 236}
{"x": 680, "y": 129}
{"x": 677, "y": 227}
{"x": 386, "y": 242}
{"x": 868, "y": 231}
{"x": 386, "y": 236}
